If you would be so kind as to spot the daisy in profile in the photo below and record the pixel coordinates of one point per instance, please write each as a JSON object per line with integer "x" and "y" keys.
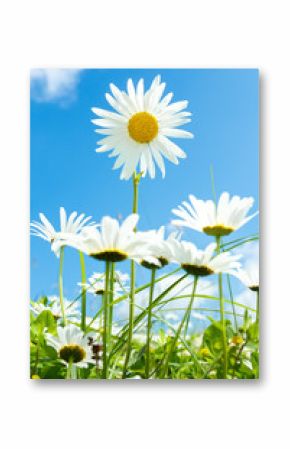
{"x": 159, "y": 253}
{"x": 96, "y": 283}
{"x": 139, "y": 130}
{"x": 69, "y": 226}
{"x": 203, "y": 262}
{"x": 54, "y": 306}
{"x": 229, "y": 215}
{"x": 72, "y": 346}
{"x": 111, "y": 242}
{"x": 249, "y": 276}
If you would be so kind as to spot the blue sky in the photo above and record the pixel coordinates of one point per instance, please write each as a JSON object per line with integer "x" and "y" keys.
{"x": 66, "y": 170}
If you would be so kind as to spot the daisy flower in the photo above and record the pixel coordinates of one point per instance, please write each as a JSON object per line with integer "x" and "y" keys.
{"x": 96, "y": 283}
{"x": 53, "y": 305}
{"x": 159, "y": 251}
{"x": 112, "y": 242}
{"x": 220, "y": 220}
{"x": 72, "y": 346}
{"x": 249, "y": 276}
{"x": 71, "y": 225}
{"x": 140, "y": 129}
{"x": 203, "y": 262}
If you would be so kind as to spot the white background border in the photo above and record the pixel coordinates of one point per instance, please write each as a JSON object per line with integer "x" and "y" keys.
{"x": 144, "y": 34}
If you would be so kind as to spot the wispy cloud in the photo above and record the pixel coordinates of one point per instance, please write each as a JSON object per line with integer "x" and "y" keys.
{"x": 54, "y": 85}
{"x": 249, "y": 252}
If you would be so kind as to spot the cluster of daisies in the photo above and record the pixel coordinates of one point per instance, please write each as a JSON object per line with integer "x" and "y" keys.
{"x": 138, "y": 132}
{"x": 111, "y": 241}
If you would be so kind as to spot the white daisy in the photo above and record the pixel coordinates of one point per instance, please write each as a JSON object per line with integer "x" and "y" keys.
{"x": 112, "y": 242}
{"x": 72, "y": 346}
{"x": 68, "y": 226}
{"x": 53, "y": 305}
{"x": 96, "y": 283}
{"x": 140, "y": 128}
{"x": 159, "y": 252}
{"x": 203, "y": 262}
{"x": 220, "y": 220}
{"x": 249, "y": 276}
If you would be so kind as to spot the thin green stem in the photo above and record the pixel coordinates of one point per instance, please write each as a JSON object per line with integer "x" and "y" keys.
{"x": 105, "y": 321}
{"x": 111, "y": 302}
{"x": 222, "y": 316}
{"x": 232, "y": 302}
{"x": 149, "y": 324}
{"x": 136, "y": 179}
{"x": 190, "y": 305}
{"x": 137, "y": 290}
{"x": 74, "y": 372}
{"x": 179, "y": 330}
{"x": 84, "y": 295}
{"x": 69, "y": 370}
{"x": 60, "y": 284}
{"x": 121, "y": 340}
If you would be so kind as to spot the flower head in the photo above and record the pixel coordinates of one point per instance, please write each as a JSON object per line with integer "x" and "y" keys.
{"x": 159, "y": 253}
{"x": 138, "y": 132}
{"x": 202, "y": 262}
{"x": 112, "y": 242}
{"x": 249, "y": 276}
{"x": 72, "y": 346}
{"x": 68, "y": 227}
{"x": 220, "y": 220}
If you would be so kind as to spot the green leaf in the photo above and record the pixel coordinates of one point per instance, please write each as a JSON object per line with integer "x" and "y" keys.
{"x": 45, "y": 320}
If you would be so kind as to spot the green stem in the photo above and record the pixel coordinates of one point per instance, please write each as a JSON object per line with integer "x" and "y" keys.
{"x": 60, "y": 284}
{"x": 111, "y": 301}
{"x": 105, "y": 322}
{"x": 149, "y": 324}
{"x": 190, "y": 305}
{"x": 74, "y": 372}
{"x": 69, "y": 372}
{"x": 121, "y": 340}
{"x": 84, "y": 296}
{"x": 179, "y": 330}
{"x": 136, "y": 179}
{"x": 222, "y": 316}
{"x": 232, "y": 302}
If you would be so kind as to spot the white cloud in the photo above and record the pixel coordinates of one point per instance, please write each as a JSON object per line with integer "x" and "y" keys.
{"x": 249, "y": 252}
{"x": 54, "y": 85}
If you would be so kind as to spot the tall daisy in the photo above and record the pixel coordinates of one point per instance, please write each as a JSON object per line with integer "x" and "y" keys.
{"x": 215, "y": 220}
{"x": 203, "y": 262}
{"x": 139, "y": 130}
{"x": 72, "y": 346}
{"x": 69, "y": 226}
{"x": 112, "y": 242}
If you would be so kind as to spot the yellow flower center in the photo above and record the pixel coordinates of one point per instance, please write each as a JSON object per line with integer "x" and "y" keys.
{"x": 72, "y": 353}
{"x": 110, "y": 255}
{"x": 152, "y": 266}
{"x": 143, "y": 127}
{"x": 218, "y": 230}
{"x": 197, "y": 270}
